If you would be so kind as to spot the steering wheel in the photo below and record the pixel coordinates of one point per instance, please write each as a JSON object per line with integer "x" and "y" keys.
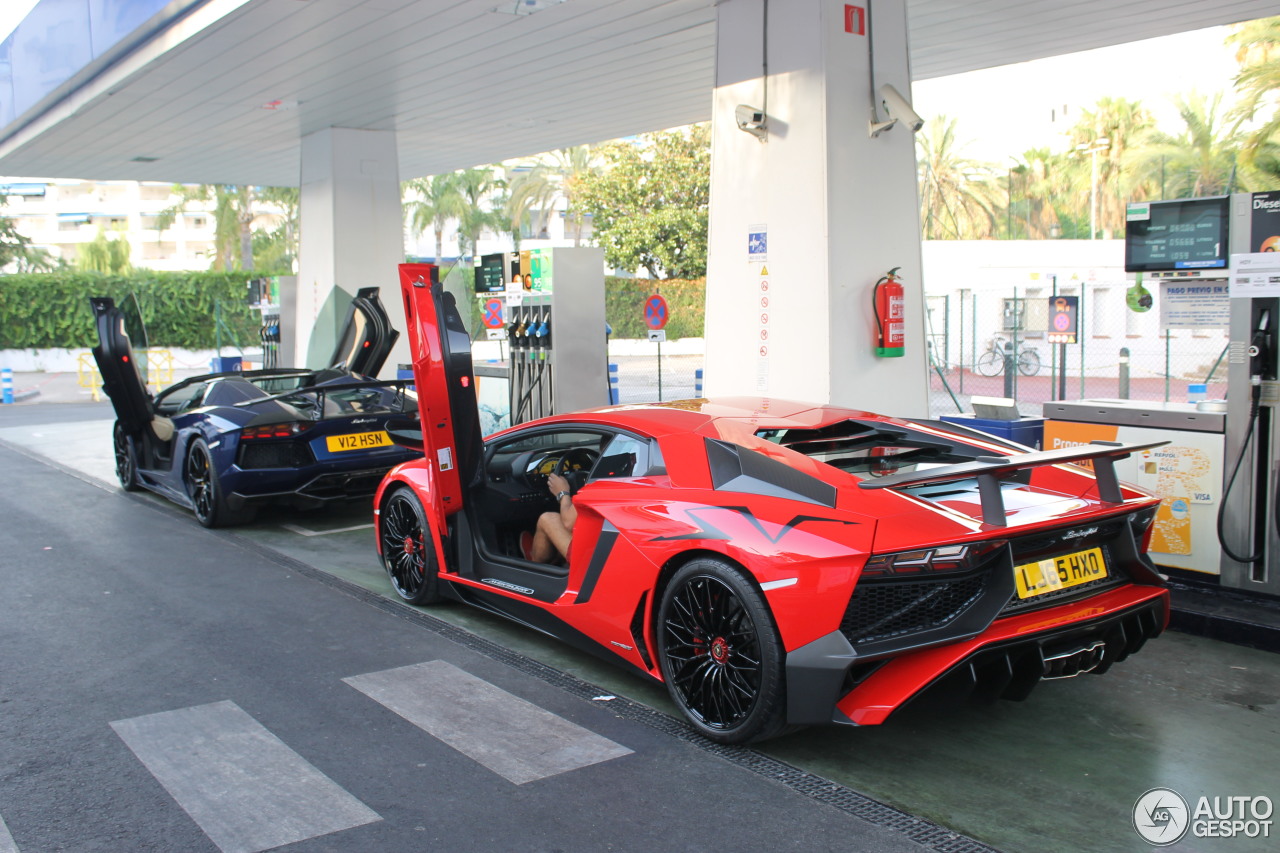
{"x": 575, "y": 466}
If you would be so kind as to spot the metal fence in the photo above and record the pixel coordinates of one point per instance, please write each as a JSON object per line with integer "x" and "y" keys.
{"x": 973, "y": 339}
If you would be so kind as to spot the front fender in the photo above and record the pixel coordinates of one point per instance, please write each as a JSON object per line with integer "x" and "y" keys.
{"x": 418, "y": 476}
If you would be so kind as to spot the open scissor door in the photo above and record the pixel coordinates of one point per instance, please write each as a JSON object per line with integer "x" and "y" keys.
{"x": 123, "y": 377}
{"x": 367, "y": 337}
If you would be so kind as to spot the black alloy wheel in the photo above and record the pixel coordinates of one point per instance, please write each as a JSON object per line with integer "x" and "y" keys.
{"x": 721, "y": 656}
{"x": 126, "y": 461}
{"x": 207, "y": 500}
{"x": 407, "y": 553}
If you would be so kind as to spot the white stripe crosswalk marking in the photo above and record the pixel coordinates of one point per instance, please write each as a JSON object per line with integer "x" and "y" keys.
{"x": 512, "y": 737}
{"x": 6, "y": 840}
{"x": 241, "y": 784}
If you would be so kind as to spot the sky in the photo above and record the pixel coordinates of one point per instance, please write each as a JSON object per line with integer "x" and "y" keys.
{"x": 12, "y": 13}
{"x": 1004, "y": 111}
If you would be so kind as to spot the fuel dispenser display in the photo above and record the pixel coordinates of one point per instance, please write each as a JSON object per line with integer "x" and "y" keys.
{"x": 274, "y": 299}
{"x": 555, "y": 330}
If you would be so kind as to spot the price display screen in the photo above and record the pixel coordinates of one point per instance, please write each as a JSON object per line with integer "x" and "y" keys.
{"x": 1186, "y": 234}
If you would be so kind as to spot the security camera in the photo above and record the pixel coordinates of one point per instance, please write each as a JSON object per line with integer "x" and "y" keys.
{"x": 751, "y": 120}
{"x": 898, "y": 108}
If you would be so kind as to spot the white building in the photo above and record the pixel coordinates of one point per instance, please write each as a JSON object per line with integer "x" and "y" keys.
{"x": 61, "y": 215}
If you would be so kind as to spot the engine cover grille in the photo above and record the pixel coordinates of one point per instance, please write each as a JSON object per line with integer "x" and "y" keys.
{"x": 881, "y": 610}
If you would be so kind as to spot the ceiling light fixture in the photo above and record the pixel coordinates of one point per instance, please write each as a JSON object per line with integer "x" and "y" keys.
{"x": 524, "y": 7}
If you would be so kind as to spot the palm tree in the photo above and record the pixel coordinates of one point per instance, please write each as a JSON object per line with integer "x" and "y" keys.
{"x": 1258, "y": 53}
{"x": 554, "y": 175}
{"x": 235, "y": 211}
{"x": 1124, "y": 124}
{"x": 959, "y": 199}
{"x": 437, "y": 200}
{"x": 1199, "y": 161}
{"x": 1035, "y": 182}
{"x": 477, "y": 188}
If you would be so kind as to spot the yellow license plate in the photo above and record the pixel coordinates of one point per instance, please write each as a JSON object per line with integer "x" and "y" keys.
{"x": 1058, "y": 573}
{"x": 357, "y": 441}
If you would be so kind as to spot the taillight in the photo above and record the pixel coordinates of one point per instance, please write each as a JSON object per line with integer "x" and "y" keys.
{"x": 283, "y": 430}
{"x": 945, "y": 558}
{"x": 1141, "y": 525}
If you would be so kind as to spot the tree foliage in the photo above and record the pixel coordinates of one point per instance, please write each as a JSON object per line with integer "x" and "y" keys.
{"x": 535, "y": 188}
{"x": 1200, "y": 160}
{"x": 431, "y": 203}
{"x": 649, "y": 204}
{"x": 16, "y": 248}
{"x": 236, "y": 210}
{"x": 105, "y": 254}
{"x": 959, "y": 197}
{"x": 1258, "y": 83}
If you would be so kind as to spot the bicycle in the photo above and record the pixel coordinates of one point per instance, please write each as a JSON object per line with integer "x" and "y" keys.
{"x": 991, "y": 362}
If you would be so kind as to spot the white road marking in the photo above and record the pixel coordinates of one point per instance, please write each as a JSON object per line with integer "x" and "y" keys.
{"x": 302, "y": 531}
{"x": 241, "y": 784}
{"x": 6, "y": 840}
{"x": 512, "y": 737}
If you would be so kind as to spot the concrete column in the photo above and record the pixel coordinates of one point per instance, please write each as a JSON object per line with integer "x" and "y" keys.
{"x": 789, "y": 313}
{"x": 351, "y": 236}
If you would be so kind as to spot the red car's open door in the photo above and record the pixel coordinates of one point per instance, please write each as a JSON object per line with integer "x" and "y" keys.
{"x": 367, "y": 337}
{"x": 446, "y": 387}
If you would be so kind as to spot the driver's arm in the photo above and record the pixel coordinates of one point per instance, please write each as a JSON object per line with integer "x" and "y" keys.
{"x": 559, "y": 487}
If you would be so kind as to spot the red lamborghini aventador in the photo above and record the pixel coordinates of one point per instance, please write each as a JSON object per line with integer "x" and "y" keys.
{"x": 773, "y": 563}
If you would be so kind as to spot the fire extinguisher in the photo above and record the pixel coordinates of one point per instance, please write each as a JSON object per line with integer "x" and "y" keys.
{"x": 887, "y": 299}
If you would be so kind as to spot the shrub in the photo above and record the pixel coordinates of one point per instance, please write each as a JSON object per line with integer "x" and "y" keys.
{"x": 47, "y": 310}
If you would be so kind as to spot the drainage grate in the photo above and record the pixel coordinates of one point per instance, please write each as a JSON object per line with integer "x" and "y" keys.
{"x": 919, "y": 830}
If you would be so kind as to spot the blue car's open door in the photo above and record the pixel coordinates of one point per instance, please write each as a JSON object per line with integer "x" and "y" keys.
{"x": 367, "y": 337}
{"x": 123, "y": 377}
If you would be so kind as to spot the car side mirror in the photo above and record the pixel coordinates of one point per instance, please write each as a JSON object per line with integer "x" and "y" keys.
{"x": 406, "y": 432}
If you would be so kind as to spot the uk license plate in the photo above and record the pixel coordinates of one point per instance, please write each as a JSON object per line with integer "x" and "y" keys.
{"x": 357, "y": 441}
{"x": 1055, "y": 573}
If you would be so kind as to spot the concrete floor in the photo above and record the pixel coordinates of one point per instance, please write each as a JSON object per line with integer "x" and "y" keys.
{"x": 1059, "y": 772}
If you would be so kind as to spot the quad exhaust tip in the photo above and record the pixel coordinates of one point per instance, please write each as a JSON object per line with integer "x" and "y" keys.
{"x": 1072, "y": 663}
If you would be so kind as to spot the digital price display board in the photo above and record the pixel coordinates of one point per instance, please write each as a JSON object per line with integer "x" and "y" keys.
{"x": 491, "y": 273}
{"x": 1184, "y": 234}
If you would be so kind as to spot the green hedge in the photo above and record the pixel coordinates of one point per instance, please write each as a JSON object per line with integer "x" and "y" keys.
{"x": 45, "y": 310}
{"x": 624, "y": 300}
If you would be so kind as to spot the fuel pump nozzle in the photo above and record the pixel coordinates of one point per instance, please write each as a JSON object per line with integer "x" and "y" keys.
{"x": 1261, "y": 353}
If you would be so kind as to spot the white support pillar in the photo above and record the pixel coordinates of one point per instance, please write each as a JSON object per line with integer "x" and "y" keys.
{"x": 350, "y": 236}
{"x": 789, "y": 310}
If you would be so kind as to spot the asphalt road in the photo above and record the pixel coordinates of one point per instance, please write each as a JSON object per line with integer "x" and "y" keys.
{"x": 165, "y": 687}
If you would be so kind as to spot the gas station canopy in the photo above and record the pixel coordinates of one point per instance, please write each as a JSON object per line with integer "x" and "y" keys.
{"x": 222, "y": 91}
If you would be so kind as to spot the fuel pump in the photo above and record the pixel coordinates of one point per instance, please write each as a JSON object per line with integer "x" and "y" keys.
{"x": 1249, "y": 517}
{"x": 556, "y": 333}
{"x": 273, "y": 298}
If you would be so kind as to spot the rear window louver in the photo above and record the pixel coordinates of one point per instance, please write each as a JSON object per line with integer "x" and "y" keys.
{"x": 737, "y": 469}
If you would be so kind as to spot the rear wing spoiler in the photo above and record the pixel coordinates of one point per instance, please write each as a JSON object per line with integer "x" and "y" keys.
{"x": 990, "y": 469}
{"x": 332, "y": 386}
